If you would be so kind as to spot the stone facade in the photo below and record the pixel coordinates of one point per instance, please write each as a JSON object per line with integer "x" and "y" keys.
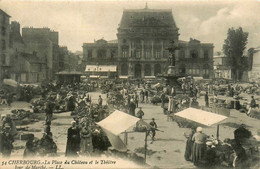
{"x": 25, "y": 67}
{"x": 44, "y": 42}
{"x": 141, "y": 47}
{"x": 4, "y": 45}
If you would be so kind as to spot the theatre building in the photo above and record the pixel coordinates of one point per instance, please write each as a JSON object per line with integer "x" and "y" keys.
{"x": 140, "y": 50}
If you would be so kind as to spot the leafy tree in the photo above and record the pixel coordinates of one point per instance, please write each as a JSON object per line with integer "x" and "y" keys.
{"x": 233, "y": 48}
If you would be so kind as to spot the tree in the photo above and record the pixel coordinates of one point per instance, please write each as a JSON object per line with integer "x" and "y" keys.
{"x": 233, "y": 48}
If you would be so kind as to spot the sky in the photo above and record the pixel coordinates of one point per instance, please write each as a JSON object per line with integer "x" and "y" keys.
{"x": 83, "y": 21}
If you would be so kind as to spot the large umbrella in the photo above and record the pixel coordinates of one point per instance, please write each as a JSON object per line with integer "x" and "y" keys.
{"x": 10, "y": 82}
{"x": 200, "y": 116}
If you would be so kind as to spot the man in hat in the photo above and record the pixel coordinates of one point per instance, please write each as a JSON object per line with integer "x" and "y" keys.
{"x": 253, "y": 102}
{"x": 132, "y": 107}
{"x": 153, "y": 127}
{"x": 206, "y": 99}
{"x": 100, "y": 100}
{"x": 199, "y": 146}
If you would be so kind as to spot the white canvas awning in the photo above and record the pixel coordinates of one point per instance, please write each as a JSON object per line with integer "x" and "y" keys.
{"x": 198, "y": 78}
{"x": 104, "y": 77}
{"x": 94, "y": 76}
{"x": 123, "y": 77}
{"x": 149, "y": 77}
{"x": 118, "y": 122}
{"x": 101, "y": 68}
{"x": 201, "y": 116}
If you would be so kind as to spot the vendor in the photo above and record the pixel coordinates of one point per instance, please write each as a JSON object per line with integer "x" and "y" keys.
{"x": 140, "y": 113}
{"x": 189, "y": 144}
{"x": 199, "y": 146}
{"x": 253, "y": 102}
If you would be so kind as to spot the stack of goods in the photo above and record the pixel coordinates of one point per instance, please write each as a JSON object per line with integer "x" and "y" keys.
{"x": 116, "y": 99}
{"x": 20, "y": 114}
{"x": 155, "y": 99}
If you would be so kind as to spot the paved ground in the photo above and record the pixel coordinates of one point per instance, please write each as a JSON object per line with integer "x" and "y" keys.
{"x": 169, "y": 145}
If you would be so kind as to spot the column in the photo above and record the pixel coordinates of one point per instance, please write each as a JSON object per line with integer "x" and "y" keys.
{"x": 152, "y": 50}
{"x": 201, "y": 53}
{"x": 142, "y": 48}
{"x": 162, "y": 49}
{"x": 152, "y": 69}
{"x": 142, "y": 70}
{"x": 187, "y": 53}
{"x": 130, "y": 48}
{"x": 119, "y": 49}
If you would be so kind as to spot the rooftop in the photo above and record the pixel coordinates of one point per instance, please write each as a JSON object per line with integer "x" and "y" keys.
{"x": 4, "y": 13}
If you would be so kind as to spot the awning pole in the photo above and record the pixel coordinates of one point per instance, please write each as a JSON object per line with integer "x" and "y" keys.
{"x": 145, "y": 145}
{"x": 218, "y": 132}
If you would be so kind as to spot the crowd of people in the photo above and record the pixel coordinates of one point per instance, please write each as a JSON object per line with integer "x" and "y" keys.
{"x": 85, "y": 137}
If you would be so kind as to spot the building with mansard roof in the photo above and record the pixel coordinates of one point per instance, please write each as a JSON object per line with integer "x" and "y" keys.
{"x": 140, "y": 50}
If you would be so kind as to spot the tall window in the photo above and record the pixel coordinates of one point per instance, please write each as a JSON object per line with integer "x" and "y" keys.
{"x": 3, "y": 59}
{"x": 124, "y": 53}
{"x": 157, "y": 54}
{"x": 89, "y": 53}
{"x": 3, "y": 31}
{"x": 147, "y": 54}
{"x": 113, "y": 53}
{"x": 3, "y": 45}
{"x": 138, "y": 54}
{"x": 194, "y": 54}
{"x": 147, "y": 70}
{"x": 205, "y": 71}
{"x": 101, "y": 53}
{"x": 182, "y": 54}
{"x": 206, "y": 54}
{"x": 124, "y": 69}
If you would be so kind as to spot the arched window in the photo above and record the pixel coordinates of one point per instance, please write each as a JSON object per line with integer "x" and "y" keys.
{"x": 124, "y": 69}
{"x": 194, "y": 54}
{"x": 101, "y": 53}
{"x": 138, "y": 70}
{"x": 147, "y": 70}
{"x": 157, "y": 69}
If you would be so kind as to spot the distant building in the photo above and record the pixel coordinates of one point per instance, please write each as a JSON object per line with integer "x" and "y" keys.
{"x": 221, "y": 67}
{"x": 45, "y": 43}
{"x": 25, "y": 67}
{"x": 254, "y": 64}
{"x": 4, "y": 45}
{"x": 140, "y": 49}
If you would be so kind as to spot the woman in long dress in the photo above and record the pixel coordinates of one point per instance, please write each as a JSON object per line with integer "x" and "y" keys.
{"x": 189, "y": 144}
{"x": 86, "y": 146}
{"x": 199, "y": 146}
{"x": 73, "y": 140}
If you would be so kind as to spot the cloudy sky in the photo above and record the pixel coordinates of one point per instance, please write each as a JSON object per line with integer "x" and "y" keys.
{"x": 84, "y": 21}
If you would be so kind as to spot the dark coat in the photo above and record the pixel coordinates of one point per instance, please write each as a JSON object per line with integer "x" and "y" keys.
{"x": 73, "y": 142}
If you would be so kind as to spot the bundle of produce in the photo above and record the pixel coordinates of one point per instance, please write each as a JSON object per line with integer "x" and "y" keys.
{"x": 99, "y": 139}
{"x": 155, "y": 99}
{"x": 19, "y": 114}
